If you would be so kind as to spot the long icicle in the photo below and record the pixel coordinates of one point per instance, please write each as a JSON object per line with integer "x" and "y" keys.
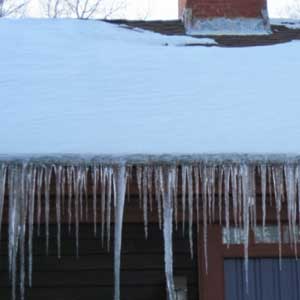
{"x": 120, "y": 178}
{"x": 47, "y": 180}
{"x": 58, "y": 174}
{"x": 190, "y": 207}
{"x": 31, "y": 208}
{"x": 145, "y": 200}
{"x": 3, "y": 169}
{"x": 183, "y": 196}
{"x": 167, "y": 179}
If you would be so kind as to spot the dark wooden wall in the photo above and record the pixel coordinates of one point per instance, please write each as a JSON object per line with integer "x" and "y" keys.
{"x": 91, "y": 276}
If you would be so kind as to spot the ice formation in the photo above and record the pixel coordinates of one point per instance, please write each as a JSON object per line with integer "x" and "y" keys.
{"x": 219, "y": 187}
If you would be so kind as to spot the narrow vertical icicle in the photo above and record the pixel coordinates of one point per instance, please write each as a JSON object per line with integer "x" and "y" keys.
{"x": 278, "y": 186}
{"x": 95, "y": 175}
{"x": 85, "y": 190}
{"x": 244, "y": 172}
{"x": 145, "y": 199}
{"x": 47, "y": 180}
{"x": 252, "y": 188}
{"x": 220, "y": 193}
{"x": 77, "y": 193}
{"x": 210, "y": 195}
{"x": 240, "y": 197}
{"x": 175, "y": 198}
{"x": 270, "y": 184}
{"x": 197, "y": 198}
{"x": 226, "y": 200}
{"x": 23, "y": 198}
{"x": 3, "y": 169}
{"x": 150, "y": 183}
{"x": 263, "y": 176}
{"x": 70, "y": 183}
{"x": 63, "y": 190}
{"x": 103, "y": 203}
{"x": 31, "y": 208}
{"x": 158, "y": 188}
{"x": 16, "y": 203}
{"x": 190, "y": 206}
{"x": 120, "y": 178}
{"x": 183, "y": 195}
{"x": 81, "y": 191}
{"x": 40, "y": 174}
{"x": 234, "y": 192}
{"x": 212, "y": 191}
{"x": 204, "y": 208}
{"x": 109, "y": 200}
{"x": 168, "y": 228}
{"x": 290, "y": 183}
{"x": 139, "y": 183}
{"x": 58, "y": 175}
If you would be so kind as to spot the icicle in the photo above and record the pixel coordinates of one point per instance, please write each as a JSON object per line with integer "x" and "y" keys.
{"x": 234, "y": 191}
{"x": 212, "y": 184}
{"x": 220, "y": 193}
{"x": 95, "y": 174}
{"x": 58, "y": 174}
{"x": 263, "y": 176}
{"x": 81, "y": 188}
{"x": 63, "y": 190}
{"x": 183, "y": 197}
{"x": 290, "y": 179}
{"x": 246, "y": 222}
{"x": 109, "y": 200}
{"x": 139, "y": 183}
{"x": 226, "y": 199}
{"x": 145, "y": 200}
{"x": 3, "y": 169}
{"x": 278, "y": 185}
{"x": 150, "y": 182}
{"x": 175, "y": 200}
{"x": 78, "y": 194}
{"x": 252, "y": 187}
{"x": 204, "y": 208}
{"x": 31, "y": 208}
{"x": 70, "y": 177}
{"x": 210, "y": 194}
{"x": 167, "y": 179}
{"x": 15, "y": 205}
{"x": 85, "y": 190}
{"x": 120, "y": 201}
{"x": 47, "y": 180}
{"x": 190, "y": 206}
{"x": 270, "y": 182}
{"x": 103, "y": 206}
{"x": 40, "y": 174}
{"x": 158, "y": 188}
{"x": 196, "y": 176}
{"x": 240, "y": 198}
{"x": 23, "y": 198}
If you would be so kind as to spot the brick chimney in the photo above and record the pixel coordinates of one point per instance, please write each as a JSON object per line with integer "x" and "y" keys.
{"x": 206, "y": 17}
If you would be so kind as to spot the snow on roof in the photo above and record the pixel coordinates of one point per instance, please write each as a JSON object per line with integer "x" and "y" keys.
{"x": 88, "y": 87}
{"x": 289, "y": 23}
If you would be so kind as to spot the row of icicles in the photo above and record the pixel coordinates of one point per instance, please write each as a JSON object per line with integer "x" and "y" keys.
{"x": 202, "y": 191}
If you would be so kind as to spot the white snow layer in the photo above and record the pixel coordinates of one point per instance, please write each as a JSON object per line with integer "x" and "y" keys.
{"x": 83, "y": 87}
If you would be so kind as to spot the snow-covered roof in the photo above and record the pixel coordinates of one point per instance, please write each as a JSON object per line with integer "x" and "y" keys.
{"x": 88, "y": 87}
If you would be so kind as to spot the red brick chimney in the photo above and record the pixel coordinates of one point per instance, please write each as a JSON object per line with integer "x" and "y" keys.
{"x": 224, "y": 16}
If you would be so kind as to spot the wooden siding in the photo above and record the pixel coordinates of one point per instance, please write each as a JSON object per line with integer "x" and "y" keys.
{"x": 91, "y": 276}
